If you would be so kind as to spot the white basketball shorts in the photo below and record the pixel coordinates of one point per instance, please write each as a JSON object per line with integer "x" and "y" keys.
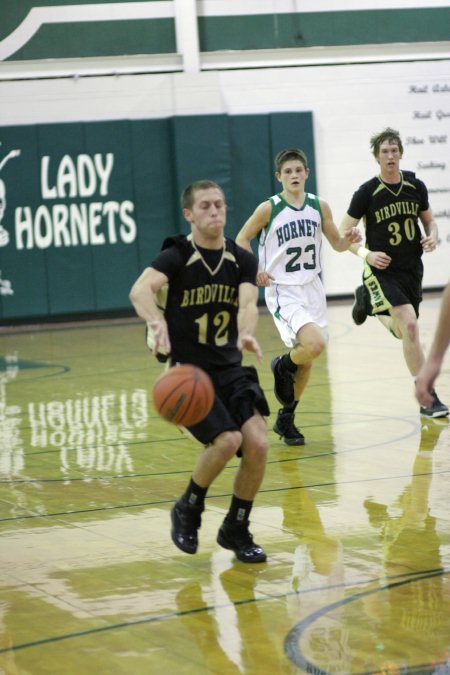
{"x": 292, "y": 307}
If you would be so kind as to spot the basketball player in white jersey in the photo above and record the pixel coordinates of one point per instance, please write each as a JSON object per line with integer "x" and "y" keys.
{"x": 289, "y": 228}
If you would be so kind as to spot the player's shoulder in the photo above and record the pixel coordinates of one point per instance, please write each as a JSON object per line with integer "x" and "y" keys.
{"x": 173, "y": 254}
{"x": 177, "y": 247}
{"x": 265, "y": 208}
{"x": 274, "y": 199}
{"x": 410, "y": 177}
{"x": 314, "y": 200}
{"x": 178, "y": 241}
{"x": 275, "y": 205}
{"x": 240, "y": 254}
{"x": 364, "y": 193}
{"x": 369, "y": 185}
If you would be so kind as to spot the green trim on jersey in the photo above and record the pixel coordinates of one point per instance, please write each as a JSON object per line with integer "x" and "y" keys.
{"x": 378, "y": 189}
{"x": 277, "y": 207}
{"x": 289, "y": 246}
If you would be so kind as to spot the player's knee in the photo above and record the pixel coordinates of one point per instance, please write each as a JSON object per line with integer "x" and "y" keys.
{"x": 261, "y": 446}
{"x": 257, "y": 449}
{"x": 411, "y": 328}
{"x": 229, "y": 443}
{"x": 316, "y": 347}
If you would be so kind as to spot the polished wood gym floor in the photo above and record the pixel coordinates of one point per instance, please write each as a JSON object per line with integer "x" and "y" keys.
{"x": 356, "y": 523}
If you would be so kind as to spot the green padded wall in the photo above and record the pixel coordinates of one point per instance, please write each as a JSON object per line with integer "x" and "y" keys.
{"x": 89, "y": 204}
{"x": 201, "y": 150}
{"x": 155, "y": 189}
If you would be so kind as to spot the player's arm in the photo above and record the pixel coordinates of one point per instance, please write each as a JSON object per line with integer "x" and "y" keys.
{"x": 348, "y": 223}
{"x": 429, "y": 241}
{"x": 251, "y": 228}
{"x": 248, "y": 319}
{"x": 432, "y": 367}
{"x": 143, "y": 296}
{"x": 340, "y": 241}
{"x": 377, "y": 259}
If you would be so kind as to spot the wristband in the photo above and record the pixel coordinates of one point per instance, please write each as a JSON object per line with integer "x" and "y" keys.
{"x": 363, "y": 252}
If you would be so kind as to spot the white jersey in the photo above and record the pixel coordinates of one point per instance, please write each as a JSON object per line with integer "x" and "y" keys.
{"x": 290, "y": 245}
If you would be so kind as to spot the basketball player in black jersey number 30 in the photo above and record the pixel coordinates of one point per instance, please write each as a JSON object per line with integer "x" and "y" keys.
{"x": 210, "y": 316}
{"x": 392, "y": 205}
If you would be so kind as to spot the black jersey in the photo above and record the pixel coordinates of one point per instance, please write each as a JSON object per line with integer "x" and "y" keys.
{"x": 390, "y": 215}
{"x": 202, "y": 301}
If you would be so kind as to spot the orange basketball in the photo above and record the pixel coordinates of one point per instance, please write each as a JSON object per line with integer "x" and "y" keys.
{"x": 183, "y": 395}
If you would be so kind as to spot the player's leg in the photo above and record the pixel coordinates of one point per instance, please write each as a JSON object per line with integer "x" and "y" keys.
{"x": 187, "y": 511}
{"x": 300, "y": 316}
{"x": 310, "y": 344}
{"x": 390, "y": 324}
{"x": 369, "y": 302}
{"x": 284, "y": 424}
{"x": 234, "y": 532}
{"x": 292, "y": 370}
{"x": 404, "y": 325}
{"x": 255, "y": 447}
{"x": 220, "y": 436}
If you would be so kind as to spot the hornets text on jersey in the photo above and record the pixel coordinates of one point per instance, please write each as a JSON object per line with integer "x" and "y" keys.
{"x": 289, "y": 247}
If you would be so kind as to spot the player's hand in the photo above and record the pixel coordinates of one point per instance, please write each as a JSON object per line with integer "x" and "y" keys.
{"x": 429, "y": 243}
{"x": 250, "y": 344}
{"x": 353, "y": 235}
{"x": 161, "y": 342}
{"x": 264, "y": 278}
{"x": 424, "y": 382}
{"x": 379, "y": 260}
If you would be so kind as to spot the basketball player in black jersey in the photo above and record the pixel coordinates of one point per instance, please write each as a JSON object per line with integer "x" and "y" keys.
{"x": 392, "y": 204}
{"x": 209, "y": 318}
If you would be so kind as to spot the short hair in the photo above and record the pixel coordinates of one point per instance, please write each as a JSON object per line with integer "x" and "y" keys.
{"x": 291, "y": 153}
{"x": 387, "y": 134}
{"x": 187, "y": 196}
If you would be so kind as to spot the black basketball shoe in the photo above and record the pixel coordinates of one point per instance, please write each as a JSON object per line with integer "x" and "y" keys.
{"x": 284, "y": 382}
{"x": 437, "y": 408}
{"x": 284, "y": 426}
{"x": 186, "y": 521}
{"x": 236, "y": 537}
{"x": 359, "y": 309}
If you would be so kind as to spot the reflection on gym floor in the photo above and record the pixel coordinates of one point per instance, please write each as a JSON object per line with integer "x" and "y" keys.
{"x": 355, "y": 523}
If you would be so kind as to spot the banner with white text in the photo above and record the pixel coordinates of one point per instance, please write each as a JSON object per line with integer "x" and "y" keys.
{"x": 84, "y": 207}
